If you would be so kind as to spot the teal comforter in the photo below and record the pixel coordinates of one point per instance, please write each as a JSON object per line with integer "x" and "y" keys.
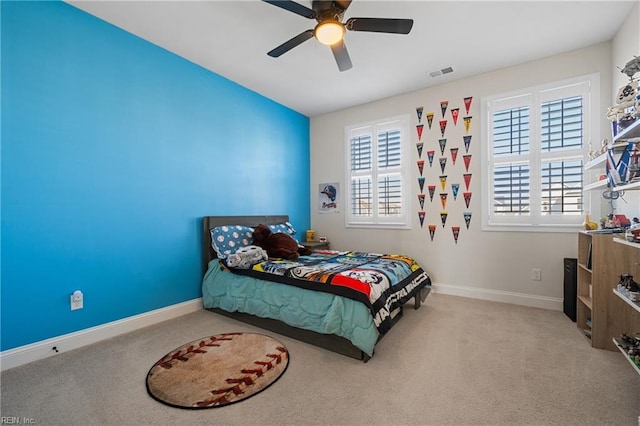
{"x": 316, "y": 311}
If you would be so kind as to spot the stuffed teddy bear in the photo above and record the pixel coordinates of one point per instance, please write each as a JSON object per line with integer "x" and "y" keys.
{"x": 277, "y": 244}
{"x": 246, "y": 257}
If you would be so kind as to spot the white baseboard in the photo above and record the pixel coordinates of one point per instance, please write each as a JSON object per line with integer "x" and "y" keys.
{"x": 544, "y": 302}
{"x": 43, "y": 349}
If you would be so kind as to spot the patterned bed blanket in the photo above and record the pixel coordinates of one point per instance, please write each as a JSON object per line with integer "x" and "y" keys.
{"x": 383, "y": 282}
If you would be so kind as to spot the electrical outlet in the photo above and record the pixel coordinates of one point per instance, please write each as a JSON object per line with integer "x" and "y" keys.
{"x": 536, "y": 274}
{"x": 77, "y": 300}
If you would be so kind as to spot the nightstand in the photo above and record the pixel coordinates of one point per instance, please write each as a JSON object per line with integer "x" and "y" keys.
{"x": 316, "y": 245}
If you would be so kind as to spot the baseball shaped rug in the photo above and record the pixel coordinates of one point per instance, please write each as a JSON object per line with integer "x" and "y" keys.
{"x": 217, "y": 370}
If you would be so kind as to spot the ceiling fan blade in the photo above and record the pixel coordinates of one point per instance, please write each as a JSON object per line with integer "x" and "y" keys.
{"x": 290, "y": 44}
{"x": 380, "y": 25}
{"x": 294, "y": 7}
{"x": 343, "y": 4}
{"x": 342, "y": 56}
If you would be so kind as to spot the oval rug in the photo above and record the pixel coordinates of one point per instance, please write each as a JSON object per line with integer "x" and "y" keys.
{"x": 217, "y": 370}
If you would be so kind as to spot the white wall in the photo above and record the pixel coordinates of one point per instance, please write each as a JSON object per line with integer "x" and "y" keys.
{"x": 625, "y": 45}
{"x": 489, "y": 265}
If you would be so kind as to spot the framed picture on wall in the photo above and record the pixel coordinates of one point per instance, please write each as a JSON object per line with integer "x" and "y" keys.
{"x": 328, "y": 197}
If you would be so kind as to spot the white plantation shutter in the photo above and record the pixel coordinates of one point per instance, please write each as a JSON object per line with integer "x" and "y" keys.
{"x": 537, "y": 145}
{"x": 377, "y": 174}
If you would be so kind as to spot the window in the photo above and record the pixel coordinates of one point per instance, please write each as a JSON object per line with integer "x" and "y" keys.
{"x": 536, "y": 145}
{"x": 376, "y": 173}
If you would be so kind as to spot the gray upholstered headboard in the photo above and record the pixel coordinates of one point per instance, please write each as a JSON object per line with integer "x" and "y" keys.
{"x": 210, "y": 222}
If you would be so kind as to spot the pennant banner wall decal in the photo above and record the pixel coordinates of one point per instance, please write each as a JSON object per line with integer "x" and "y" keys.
{"x": 443, "y": 126}
{"x": 467, "y": 103}
{"x": 421, "y": 216}
{"x": 443, "y": 144}
{"x": 454, "y": 154}
{"x": 429, "y": 119}
{"x": 432, "y": 190}
{"x": 443, "y": 163}
{"x": 419, "y": 128}
{"x": 432, "y": 231}
{"x": 467, "y": 198}
{"x": 430, "y": 155}
{"x": 443, "y": 218}
{"x": 467, "y": 142}
{"x": 454, "y": 113}
{"x": 467, "y": 180}
{"x": 421, "y": 200}
{"x": 467, "y": 218}
{"x": 467, "y": 123}
{"x": 419, "y": 146}
{"x": 467, "y": 161}
{"x": 456, "y": 232}
{"x": 419, "y": 113}
{"x": 443, "y": 200}
{"x": 420, "y": 166}
{"x": 421, "y": 183}
{"x": 443, "y": 181}
{"x": 443, "y": 107}
{"x": 455, "y": 187}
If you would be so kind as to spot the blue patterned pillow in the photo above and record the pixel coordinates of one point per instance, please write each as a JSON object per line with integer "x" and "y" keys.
{"x": 285, "y": 228}
{"x": 225, "y": 240}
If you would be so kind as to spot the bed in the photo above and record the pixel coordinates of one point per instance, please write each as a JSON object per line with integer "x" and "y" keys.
{"x": 338, "y": 300}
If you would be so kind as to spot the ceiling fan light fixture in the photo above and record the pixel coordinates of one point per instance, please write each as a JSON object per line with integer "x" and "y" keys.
{"x": 329, "y": 32}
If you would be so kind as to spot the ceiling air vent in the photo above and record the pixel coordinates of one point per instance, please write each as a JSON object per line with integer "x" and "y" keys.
{"x": 443, "y": 71}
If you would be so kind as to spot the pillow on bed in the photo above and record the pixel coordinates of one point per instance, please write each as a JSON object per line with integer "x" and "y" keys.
{"x": 227, "y": 239}
{"x": 285, "y": 228}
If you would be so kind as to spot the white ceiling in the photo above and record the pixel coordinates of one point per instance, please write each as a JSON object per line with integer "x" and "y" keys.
{"x": 232, "y": 38}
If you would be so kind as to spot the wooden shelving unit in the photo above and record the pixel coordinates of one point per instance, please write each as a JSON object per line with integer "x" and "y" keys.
{"x": 602, "y": 258}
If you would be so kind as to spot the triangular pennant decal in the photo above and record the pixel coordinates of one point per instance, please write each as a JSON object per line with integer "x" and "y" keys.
{"x": 443, "y": 200}
{"x": 443, "y": 181}
{"x": 467, "y": 161}
{"x": 419, "y": 128}
{"x": 467, "y": 123}
{"x": 454, "y": 154}
{"x": 454, "y": 113}
{"x": 467, "y": 180}
{"x": 420, "y": 166}
{"x": 419, "y": 146}
{"x": 421, "y": 183}
{"x": 467, "y": 218}
{"x": 467, "y": 103}
{"x": 443, "y": 218}
{"x": 443, "y": 107}
{"x": 467, "y": 142}
{"x": 429, "y": 118}
{"x": 421, "y": 200}
{"x": 455, "y": 187}
{"x": 421, "y": 216}
{"x": 467, "y": 198}
{"x": 456, "y": 232}
{"x": 443, "y": 144}
{"x": 430, "y": 155}
{"x": 443, "y": 126}
{"x": 419, "y": 113}
{"x": 443, "y": 163}
{"x": 432, "y": 190}
{"x": 432, "y": 231}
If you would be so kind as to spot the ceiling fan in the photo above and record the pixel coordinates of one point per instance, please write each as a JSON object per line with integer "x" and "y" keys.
{"x": 330, "y": 29}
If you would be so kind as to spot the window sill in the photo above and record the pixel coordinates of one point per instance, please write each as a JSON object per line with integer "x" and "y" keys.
{"x": 531, "y": 228}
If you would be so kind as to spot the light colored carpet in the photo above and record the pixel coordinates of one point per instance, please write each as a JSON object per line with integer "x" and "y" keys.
{"x": 455, "y": 361}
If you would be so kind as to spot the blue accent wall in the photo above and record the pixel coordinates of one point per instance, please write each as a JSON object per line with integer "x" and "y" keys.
{"x": 112, "y": 151}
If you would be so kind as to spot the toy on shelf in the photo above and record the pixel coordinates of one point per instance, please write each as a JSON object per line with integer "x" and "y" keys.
{"x": 627, "y": 107}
